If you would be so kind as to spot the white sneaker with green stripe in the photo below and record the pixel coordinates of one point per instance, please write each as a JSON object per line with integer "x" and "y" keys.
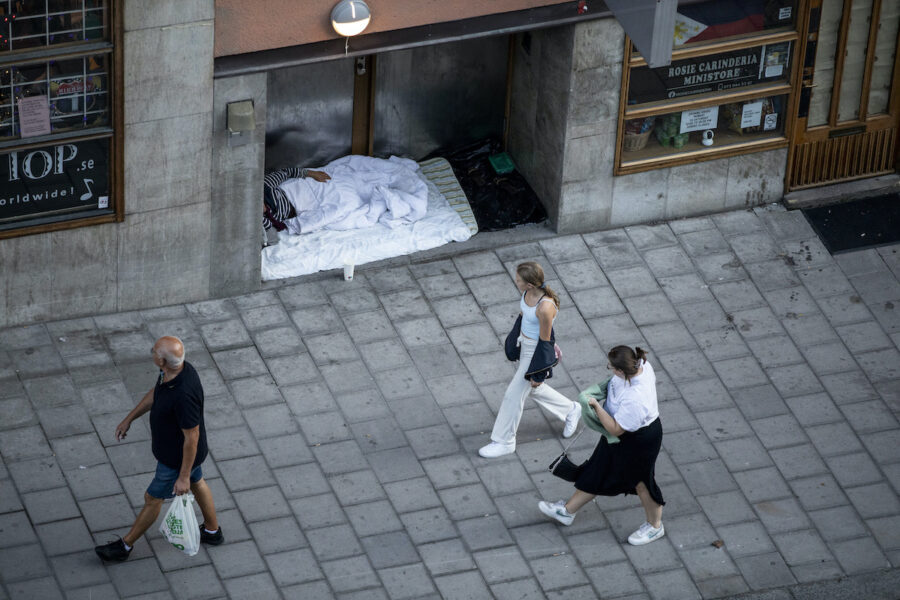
{"x": 645, "y": 534}
{"x": 556, "y": 510}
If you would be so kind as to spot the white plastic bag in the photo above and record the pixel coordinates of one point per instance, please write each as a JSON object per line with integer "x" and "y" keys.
{"x": 180, "y": 525}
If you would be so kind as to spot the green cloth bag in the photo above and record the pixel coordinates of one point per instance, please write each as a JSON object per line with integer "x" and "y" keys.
{"x": 588, "y": 415}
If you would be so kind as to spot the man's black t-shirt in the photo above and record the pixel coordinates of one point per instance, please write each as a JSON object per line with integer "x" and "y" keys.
{"x": 177, "y": 405}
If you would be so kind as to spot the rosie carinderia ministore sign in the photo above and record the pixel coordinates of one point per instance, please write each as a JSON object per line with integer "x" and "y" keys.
{"x": 711, "y": 73}
{"x": 62, "y": 179}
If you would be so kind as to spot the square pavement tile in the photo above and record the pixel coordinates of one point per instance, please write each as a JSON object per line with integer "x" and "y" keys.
{"x": 278, "y": 342}
{"x": 449, "y": 556}
{"x": 429, "y": 525}
{"x": 373, "y": 518}
{"x": 859, "y": 556}
{"x": 340, "y": 457}
{"x": 765, "y": 571}
{"x": 467, "y": 501}
{"x": 390, "y": 549}
{"x": 323, "y": 510}
{"x": 556, "y": 572}
{"x": 407, "y": 581}
{"x": 278, "y": 535}
{"x": 294, "y": 566}
{"x": 262, "y": 503}
{"x": 779, "y": 516}
{"x": 762, "y": 484}
{"x": 412, "y": 494}
{"x": 726, "y": 507}
{"x": 260, "y": 587}
{"x": 481, "y": 533}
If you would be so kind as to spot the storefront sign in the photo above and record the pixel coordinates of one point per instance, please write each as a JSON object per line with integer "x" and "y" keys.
{"x": 63, "y": 178}
{"x": 695, "y": 120}
{"x": 703, "y": 74}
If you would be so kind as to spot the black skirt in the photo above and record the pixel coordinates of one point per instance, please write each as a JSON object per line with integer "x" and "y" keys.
{"x": 615, "y": 469}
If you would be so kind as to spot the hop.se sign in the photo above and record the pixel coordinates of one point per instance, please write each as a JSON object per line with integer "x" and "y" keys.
{"x": 64, "y": 178}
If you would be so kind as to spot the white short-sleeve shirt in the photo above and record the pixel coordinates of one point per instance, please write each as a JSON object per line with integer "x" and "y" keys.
{"x": 633, "y": 403}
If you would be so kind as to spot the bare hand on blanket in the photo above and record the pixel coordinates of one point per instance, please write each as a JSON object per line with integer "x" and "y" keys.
{"x": 321, "y": 176}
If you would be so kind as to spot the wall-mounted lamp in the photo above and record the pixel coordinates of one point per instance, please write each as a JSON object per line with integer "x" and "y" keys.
{"x": 240, "y": 121}
{"x": 349, "y": 18}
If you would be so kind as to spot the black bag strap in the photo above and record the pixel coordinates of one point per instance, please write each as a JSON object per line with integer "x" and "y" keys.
{"x": 574, "y": 439}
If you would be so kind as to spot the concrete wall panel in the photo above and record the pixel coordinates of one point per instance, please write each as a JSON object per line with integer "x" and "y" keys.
{"x": 163, "y": 257}
{"x": 755, "y": 179}
{"x": 236, "y": 204}
{"x": 83, "y": 271}
{"x": 168, "y": 71}
{"x": 147, "y": 14}
{"x": 599, "y": 43}
{"x": 24, "y": 279}
{"x": 696, "y": 189}
{"x": 167, "y": 162}
{"x": 585, "y": 205}
{"x": 639, "y": 198}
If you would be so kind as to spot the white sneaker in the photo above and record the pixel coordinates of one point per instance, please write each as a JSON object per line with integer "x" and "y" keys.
{"x": 572, "y": 420}
{"x": 495, "y": 450}
{"x": 557, "y": 510}
{"x": 645, "y": 534}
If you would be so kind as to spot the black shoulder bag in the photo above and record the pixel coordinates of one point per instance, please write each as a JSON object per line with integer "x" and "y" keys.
{"x": 564, "y": 468}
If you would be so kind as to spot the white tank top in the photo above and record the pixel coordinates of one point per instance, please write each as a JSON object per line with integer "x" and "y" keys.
{"x": 531, "y": 327}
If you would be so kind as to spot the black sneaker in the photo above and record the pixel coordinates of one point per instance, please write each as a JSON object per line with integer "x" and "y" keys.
{"x": 213, "y": 539}
{"x": 113, "y": 551}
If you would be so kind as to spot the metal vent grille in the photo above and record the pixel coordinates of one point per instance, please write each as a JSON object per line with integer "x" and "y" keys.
{"x": 842, "y": 158}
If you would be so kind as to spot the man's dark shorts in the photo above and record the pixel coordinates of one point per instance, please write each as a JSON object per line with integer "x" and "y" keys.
{"x": 163, "y": 484}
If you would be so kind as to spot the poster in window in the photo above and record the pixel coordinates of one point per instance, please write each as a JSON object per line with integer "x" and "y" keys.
{"x": 700, "y": 119}
{"x": 34, "y": 116}
{"x": 68, "y": 177}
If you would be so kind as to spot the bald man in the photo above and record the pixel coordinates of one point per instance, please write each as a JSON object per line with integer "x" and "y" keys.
{"x": 178, "y": 437}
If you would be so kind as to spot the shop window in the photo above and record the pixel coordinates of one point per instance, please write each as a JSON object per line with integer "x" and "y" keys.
{"x": 725, "y": 96}
{"x": 718, "y": 20}
{"x": 60, "y": 137}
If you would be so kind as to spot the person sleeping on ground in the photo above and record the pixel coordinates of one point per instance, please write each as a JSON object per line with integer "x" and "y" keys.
{"x": 352, "y": 192}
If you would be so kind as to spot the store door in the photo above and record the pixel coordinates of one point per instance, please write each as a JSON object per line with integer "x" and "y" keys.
{"x": 848, "y": 110}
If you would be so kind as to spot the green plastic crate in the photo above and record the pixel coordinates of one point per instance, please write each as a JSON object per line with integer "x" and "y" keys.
{"x": 502, "y": 163}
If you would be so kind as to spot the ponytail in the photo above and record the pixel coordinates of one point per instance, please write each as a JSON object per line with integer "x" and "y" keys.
{"x": 551, "y": 294}
{"x": 627, "y": 360}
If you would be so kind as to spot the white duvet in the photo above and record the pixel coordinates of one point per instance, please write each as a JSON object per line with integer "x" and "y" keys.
{"x": 362, "y": 191}
{"x": 296, "y": 255}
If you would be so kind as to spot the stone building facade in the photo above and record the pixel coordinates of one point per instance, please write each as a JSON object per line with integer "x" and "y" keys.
{"x": 191, "y": 227}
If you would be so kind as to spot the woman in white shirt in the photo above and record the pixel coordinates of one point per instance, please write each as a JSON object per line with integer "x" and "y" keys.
{"x": 626, "y": 467}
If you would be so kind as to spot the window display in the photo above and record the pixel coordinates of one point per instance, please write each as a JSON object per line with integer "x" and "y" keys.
{"x": 725, "y": 91}
{"x": 723, "y": 19}
{"x": 729, "y": 124}
{"x": 58, "y": 148}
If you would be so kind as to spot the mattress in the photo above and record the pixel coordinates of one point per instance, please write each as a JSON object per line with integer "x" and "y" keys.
{"x": 449, "y": 218}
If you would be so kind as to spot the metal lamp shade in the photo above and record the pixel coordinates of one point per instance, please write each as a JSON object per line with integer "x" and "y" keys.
{"x": 350, "y": 17}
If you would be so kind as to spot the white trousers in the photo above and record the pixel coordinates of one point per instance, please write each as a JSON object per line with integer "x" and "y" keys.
{"x": 519, "y": 388}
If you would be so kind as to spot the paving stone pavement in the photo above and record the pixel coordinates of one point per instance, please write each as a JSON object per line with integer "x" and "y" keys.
{"x": 344, "y": 420}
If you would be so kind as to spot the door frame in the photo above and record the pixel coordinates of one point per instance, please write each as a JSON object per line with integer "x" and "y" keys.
{"x": 861, "y": 148}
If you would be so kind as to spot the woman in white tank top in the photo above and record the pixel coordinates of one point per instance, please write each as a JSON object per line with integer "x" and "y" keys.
{"x": 539, "y": 306}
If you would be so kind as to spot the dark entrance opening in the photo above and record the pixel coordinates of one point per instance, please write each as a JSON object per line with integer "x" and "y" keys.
{"x": 859, "y": 224}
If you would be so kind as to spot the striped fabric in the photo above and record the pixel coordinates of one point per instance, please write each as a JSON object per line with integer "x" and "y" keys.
{"x": 276, "y": 205}
{"x": 440, "y": 173}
